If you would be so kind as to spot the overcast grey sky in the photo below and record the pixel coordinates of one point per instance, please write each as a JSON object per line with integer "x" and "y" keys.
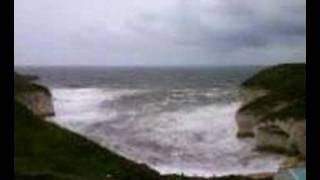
{"x": 159, "y": 32}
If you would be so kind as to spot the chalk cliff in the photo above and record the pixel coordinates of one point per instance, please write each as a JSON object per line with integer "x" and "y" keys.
{"x": 273, "y": 109}
{"x": 35, "y": 97}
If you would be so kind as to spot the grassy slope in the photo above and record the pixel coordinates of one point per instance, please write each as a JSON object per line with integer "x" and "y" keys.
{"x": 42, "y": 149}
{"x": 286, "y": 83}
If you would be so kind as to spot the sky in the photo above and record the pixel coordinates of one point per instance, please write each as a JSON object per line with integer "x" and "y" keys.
{"x": 159, "y": 32}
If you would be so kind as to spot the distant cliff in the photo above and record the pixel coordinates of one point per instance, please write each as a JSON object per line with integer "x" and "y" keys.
{"x": 35, "y": 97}
{"x": 273, "y": 109}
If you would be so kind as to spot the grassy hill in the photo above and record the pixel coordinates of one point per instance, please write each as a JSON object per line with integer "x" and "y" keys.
{"x": 44, "y": 151}
{"x": 286, "y": 83}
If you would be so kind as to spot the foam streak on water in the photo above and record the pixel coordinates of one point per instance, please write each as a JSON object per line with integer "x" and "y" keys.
{"x": 185, "y": 131}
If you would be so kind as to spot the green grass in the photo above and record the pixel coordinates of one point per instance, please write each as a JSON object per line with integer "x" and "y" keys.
{"x": 44, "y": 150}
{"x": 285, "y": 78}
{"x": 285, "y": 83}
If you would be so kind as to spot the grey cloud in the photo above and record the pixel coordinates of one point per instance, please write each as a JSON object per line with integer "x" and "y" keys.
{"x": 159, "y": 32}
{"x": 254, "y": 31}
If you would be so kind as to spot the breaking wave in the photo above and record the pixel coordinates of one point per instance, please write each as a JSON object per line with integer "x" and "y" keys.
{"x": 189, "y": 131}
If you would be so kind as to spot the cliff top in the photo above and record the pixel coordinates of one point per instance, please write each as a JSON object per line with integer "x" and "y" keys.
{"x": 285, "y": 78}
{"x": 286, "y": 84}
{"x": 24, "y": 83}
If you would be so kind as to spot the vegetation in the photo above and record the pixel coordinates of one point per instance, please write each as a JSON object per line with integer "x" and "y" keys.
{"x": 44, "y": 150}
{"x": 286, "y": 84}
{"x": 23, "y": 84}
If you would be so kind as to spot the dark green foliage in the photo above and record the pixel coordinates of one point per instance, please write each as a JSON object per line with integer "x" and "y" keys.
{"x": 286, "y": 84}
{"x": 296, "y": 109}
{"x": 289, "y": 78}
{"x": 44, "y": 150}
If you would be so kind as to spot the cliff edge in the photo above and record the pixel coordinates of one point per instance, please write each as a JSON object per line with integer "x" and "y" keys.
{"x": 35, "y": 97}
{"x": 273, "y": 109}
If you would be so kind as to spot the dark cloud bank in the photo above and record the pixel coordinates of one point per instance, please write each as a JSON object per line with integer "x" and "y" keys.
{"x": 166, "y": 32}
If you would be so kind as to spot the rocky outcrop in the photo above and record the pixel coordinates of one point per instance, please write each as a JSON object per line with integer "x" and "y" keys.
{"x": 246, "y": 120}
{"x": 271, "y": 138}
{"x": 286, "y": 136}
{"x": 273, "y": 109}
{"x": 35, "y": 97}
{"x": 297, "y": 134}
{"x": 39, "y": 102}
{"x": 298, "y": 137}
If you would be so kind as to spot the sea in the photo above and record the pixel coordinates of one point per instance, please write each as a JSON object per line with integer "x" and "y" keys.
{"x": 177, "y": 120}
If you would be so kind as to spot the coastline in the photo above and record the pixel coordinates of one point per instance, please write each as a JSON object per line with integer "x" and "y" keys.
{"x": 189, "y": 120}
{"x": 273, "y": 113}
{"x": 157, "y": 175}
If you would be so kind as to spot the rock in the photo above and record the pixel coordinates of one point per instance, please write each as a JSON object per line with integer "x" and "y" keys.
{"x": 282, "y": 136}
{"x": 286, "y": 136}
{"x": 39, "y": 100}
{"x": 245, "y": 124}
{"x": 297, "y": 134}
{"x": 246, "y": 120}
{"x": 273, "y": 109}
{"x": 298, "y": 137}
{"x": 272, "y": 138}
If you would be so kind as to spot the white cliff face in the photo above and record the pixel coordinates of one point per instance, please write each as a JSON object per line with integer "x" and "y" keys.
{"x": 246, "y": 120}
{"x": 245, "y": 124}
{"x": 282, "y": 135}
{"x": 297, "y": 134}
{"x": 272, "y": 138}
{"x": 298, "y": 137}
{"x": 39, "y": 102}
{"x": 291, "y": 139}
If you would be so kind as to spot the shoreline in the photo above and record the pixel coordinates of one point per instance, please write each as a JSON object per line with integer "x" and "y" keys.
{"x": 257, "y": 159}
{"x": 137, "y": 166}
{"x": 264, "y": 175}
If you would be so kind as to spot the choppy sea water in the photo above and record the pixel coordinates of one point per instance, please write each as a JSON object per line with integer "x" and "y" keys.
{"x": 176, "y": 120}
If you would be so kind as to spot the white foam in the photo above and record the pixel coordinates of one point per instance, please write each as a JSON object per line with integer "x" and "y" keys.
{"x": 193, "y": 142}
{"x": 201, "y": 142}
{"x": 77, "y": 108}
